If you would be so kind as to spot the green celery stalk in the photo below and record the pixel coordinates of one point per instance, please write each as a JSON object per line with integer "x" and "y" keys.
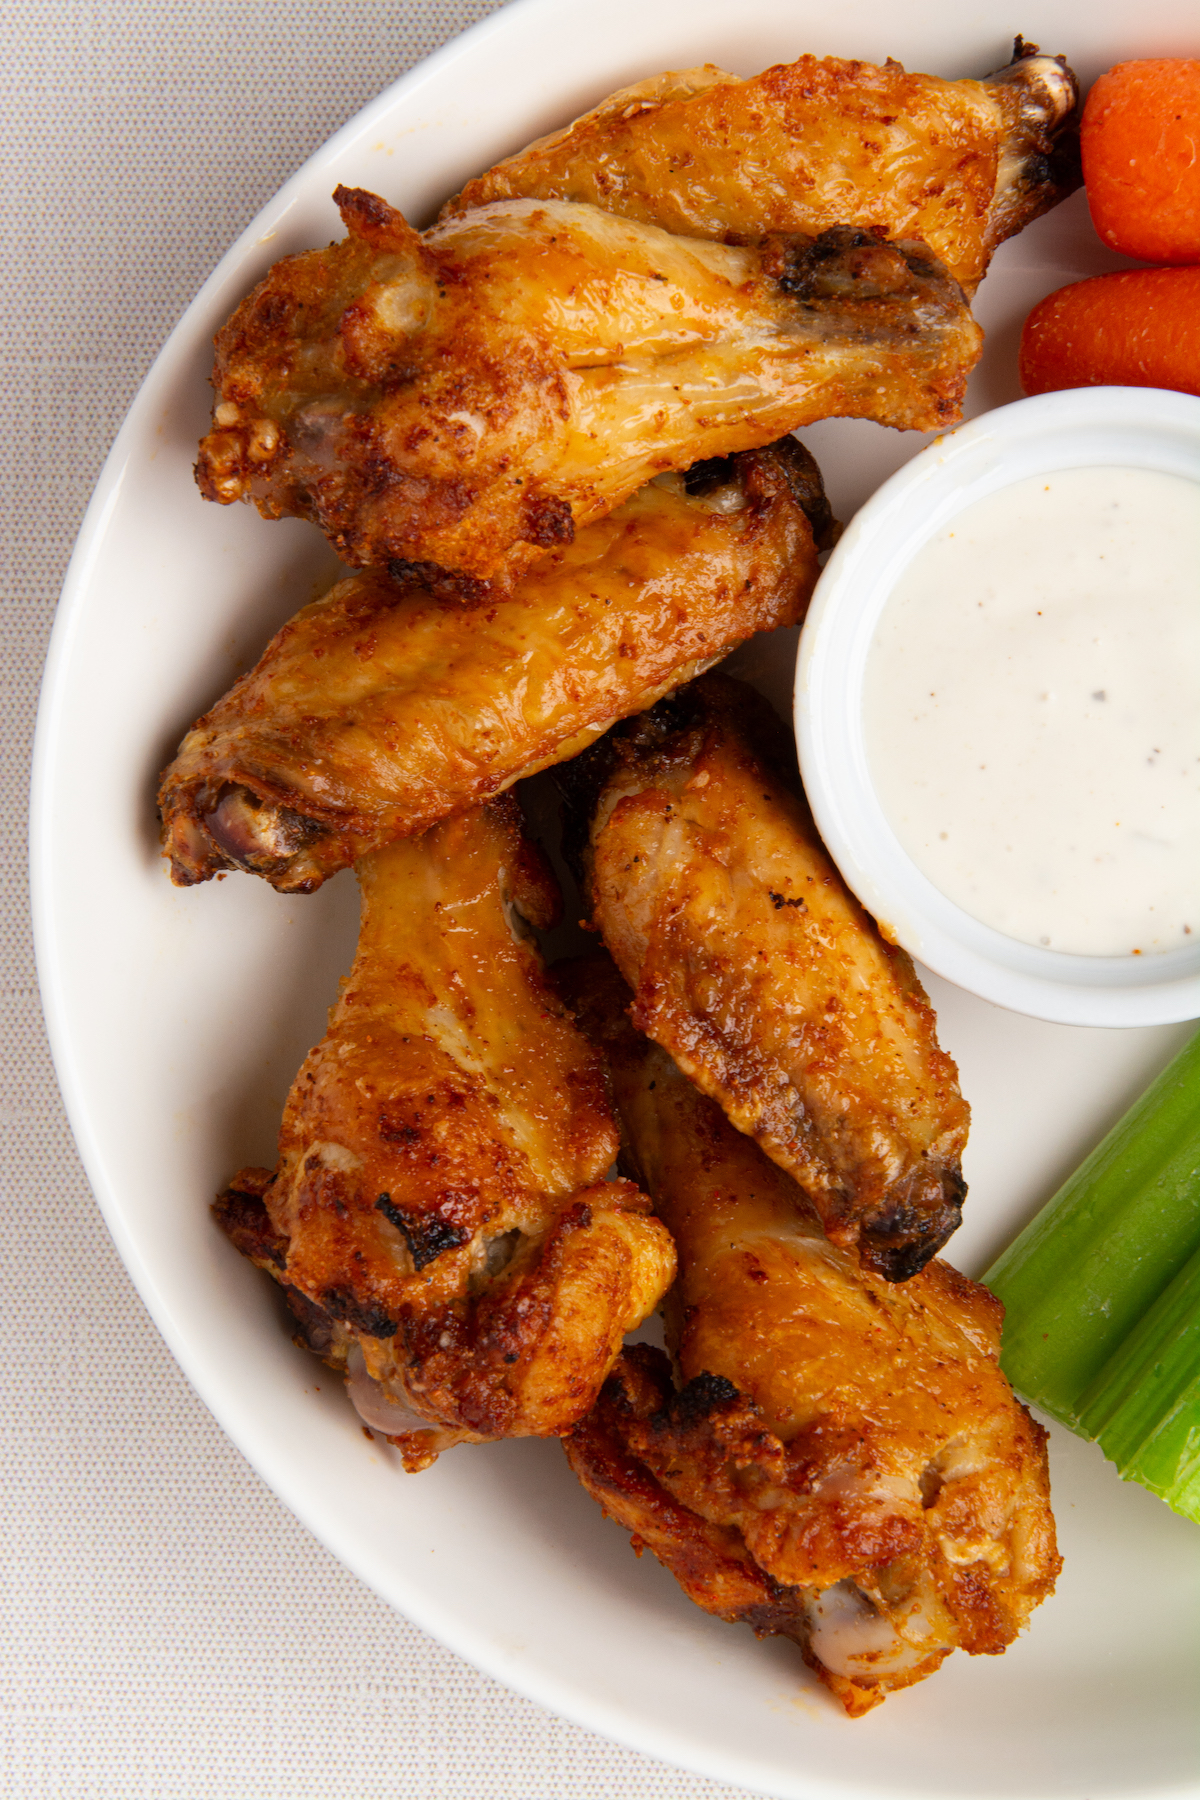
{"x": 1086, "y": 1271}
{"x": 1143, "y": 1409}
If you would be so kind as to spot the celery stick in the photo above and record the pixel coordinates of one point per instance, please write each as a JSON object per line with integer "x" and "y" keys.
{"x": 1097, "y": 1257}
{"x": 1143, "y": 1409}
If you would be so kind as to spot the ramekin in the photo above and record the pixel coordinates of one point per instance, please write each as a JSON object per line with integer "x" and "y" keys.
{"x": 1082, "y": 427}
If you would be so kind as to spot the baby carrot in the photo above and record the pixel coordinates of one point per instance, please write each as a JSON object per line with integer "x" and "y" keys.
{"x": 1137, "y": 328}
{"x": 1140, "y": 138}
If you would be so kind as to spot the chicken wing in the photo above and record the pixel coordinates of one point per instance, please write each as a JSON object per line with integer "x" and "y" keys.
{"x": 386, "y": 706}
{"x": 439, "y": 1216}
{"x": 472, "y": 397}
{"x": 843, "y": 1461}
{"x": 756, "y": 968}
{"x": 808, "y": 145}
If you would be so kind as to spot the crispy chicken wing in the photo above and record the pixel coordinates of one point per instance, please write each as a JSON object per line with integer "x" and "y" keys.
{"x": 472, "y": 397}
{"x": 438, "y": 1215}
{"x": 386, "y": 705}
{"x": 808, "y": 145}
{"x": 843, "y": 1461}
{"x": 756, "y": 968}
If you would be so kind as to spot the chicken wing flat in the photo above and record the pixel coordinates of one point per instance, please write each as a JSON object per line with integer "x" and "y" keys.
{"x": 472, "y": 397}
{"x": 756, "y": 969}
{"x": 842, "y": 1462}
{"x": 386, "y": 705}
{"x": 816, "y": 143}
{"x": 439, "y": 1216}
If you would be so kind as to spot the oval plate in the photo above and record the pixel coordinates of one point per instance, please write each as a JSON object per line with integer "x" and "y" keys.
{"x": 179, "y": 1018}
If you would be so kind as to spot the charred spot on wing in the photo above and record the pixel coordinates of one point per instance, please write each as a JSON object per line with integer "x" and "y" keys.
{"x": 778, "y": 901}
{"x": 426, "y": 1235}
{"x": 702, "y": 1396}
{"x": 903, "y": 1234}
{"x": 442, "y": 584}
{"x": 576, "y": 1218}
{"x": 806, "y": 485}
{"x": 242, "y": 1215}
{"x": 893, "y": 1262}
{"x": 365, "y": 1316}
{"x": 711, "y": 473}
{"x": 547, "y": 520}
{"x": 400, "y": 1135}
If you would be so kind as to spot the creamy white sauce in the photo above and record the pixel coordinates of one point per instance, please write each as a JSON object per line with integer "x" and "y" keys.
{"x": 1032, "y": 710}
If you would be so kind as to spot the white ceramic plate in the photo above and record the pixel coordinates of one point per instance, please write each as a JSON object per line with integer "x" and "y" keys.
{"x": 179, "y": 1018}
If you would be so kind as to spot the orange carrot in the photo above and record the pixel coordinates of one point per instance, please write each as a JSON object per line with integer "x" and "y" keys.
{"x": 1138, "y": 328}
{"x": 1140, "y": 138}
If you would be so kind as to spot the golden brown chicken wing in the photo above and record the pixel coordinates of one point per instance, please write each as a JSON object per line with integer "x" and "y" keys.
{"x": 439, "y": 1215}
{"x": 756, "y": 968}
{"x": 843, "y": 1461}
{"x": 472, "y": 397}
{"x": 819, "y": 142}
{"x": 385, "y": 706}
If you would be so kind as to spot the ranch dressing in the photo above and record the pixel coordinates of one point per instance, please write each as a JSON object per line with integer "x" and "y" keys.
{"x": 1032, "y": 710}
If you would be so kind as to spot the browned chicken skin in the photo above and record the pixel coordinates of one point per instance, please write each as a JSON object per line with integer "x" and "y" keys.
{"x": 474, "y": 396}
{"x": 820, "y": 142}
{"x": 439, "y": 1215}
{"x": 755, "y": 967}
{"x": 842, "y": 1461}
{"x": 387, "y": 705}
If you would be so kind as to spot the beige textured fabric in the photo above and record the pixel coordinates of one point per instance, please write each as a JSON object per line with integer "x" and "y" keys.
{"x": 168, "y": 1628}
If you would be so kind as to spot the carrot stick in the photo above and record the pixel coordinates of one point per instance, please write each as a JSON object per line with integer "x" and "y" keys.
{"x": 1140, "y": 139}
{"x": 1138, "y": 328}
